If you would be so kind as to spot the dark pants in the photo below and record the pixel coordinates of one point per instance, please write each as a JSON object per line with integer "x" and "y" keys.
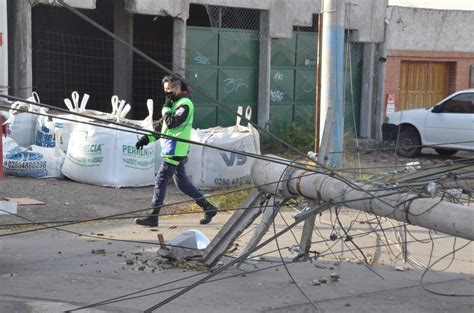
{"x": 180, "y": 179}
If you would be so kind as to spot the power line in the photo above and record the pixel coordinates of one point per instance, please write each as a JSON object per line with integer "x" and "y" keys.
{"x": 239, "y": 259}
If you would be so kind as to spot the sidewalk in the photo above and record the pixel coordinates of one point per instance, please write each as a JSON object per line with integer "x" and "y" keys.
{"x": 53, "y": 271}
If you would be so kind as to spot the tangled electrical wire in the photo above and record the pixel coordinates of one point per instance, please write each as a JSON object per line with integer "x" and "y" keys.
{"x": 396, "y": 183}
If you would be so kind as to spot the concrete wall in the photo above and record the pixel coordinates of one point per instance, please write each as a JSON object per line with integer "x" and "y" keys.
{"x": 365, "y": 16}
{"x": 430, "y": 30}
{"x": 434, "y": 36}
{"x": 80, "y": 4}
{"x": 175, "y": 8}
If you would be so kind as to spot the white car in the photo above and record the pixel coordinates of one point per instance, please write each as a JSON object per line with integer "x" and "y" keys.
{"x": 447, "y": 127}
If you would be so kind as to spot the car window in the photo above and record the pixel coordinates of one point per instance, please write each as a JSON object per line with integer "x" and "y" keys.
{"x": 463, "y": 103}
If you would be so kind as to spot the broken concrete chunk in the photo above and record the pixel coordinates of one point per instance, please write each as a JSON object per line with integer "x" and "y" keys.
{"x": 335, "y": 276}
{"x": 316, "y": 282}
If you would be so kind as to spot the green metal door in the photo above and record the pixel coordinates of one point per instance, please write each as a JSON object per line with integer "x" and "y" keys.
{"x": 293, "y": 81}
{"x": 353, "y": 88}
{"x": 226, "y": 67}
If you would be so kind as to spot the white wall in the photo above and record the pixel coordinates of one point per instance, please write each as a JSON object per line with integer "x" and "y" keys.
{"x": 435, "y": 4}
{"x": 365, "y": 16}
{"x": 80, "y": 4}
{"x": 430, "y": 30}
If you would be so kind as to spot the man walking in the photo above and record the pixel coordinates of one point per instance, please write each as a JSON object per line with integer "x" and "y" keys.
{"x": 177, "y": 120}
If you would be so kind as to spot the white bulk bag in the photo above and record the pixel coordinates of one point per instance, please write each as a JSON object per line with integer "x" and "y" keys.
{"x": 22, "y": 124}
{"x": 45, "y": 125}
{"x": 108, "y": 157}
{"x": 209, "y": 168}
{"x": 39, "y": 162}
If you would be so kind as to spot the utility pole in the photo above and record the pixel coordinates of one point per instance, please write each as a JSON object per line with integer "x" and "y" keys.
{"x": 317, "y": 120}
{"x": 280, "y": 182}
{"x": 446, "y": 217}
{"x": 20, "y": 48}
{"x": 3, "y": 47}
{"x": 332, "y": 75}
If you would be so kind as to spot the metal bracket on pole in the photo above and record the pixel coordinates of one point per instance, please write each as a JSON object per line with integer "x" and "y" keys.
{"x": 307, "y": 234}
{"x": 269, "y": 213}
{"x": 239, "y": 221}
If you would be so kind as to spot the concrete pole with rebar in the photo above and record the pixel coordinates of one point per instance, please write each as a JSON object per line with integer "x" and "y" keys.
{"x": 20, "y": 48}
{"x": 449, "y": 218}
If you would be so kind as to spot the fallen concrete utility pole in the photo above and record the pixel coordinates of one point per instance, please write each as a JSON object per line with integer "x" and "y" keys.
{"x": 449, "y": 218}
{"x": 446, "y": 217}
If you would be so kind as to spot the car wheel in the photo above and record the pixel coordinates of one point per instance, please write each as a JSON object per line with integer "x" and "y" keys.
{"x": 408, "y": 143}
{"x": 445, "y": 152}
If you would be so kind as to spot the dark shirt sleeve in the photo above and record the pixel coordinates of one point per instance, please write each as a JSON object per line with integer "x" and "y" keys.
{"x": 178, "y": 117}
{"x": 157, "y": 125}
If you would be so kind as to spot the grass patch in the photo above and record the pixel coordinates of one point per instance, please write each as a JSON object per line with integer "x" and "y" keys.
{"x": 229, "y": 201}
{"x": 298, "y": 134}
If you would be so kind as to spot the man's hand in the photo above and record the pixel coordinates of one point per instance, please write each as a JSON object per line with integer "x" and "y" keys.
{"x": 157, "y": 126}
{"x": 166, "y": 110}
{"x": 143, "y": 141}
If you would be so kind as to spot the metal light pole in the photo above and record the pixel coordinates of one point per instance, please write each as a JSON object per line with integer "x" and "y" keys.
{"x": 332, "y": 76}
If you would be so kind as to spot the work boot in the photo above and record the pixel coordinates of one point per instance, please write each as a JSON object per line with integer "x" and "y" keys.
{"x": 150, "y": 221}
{"x": 209, "y": 212}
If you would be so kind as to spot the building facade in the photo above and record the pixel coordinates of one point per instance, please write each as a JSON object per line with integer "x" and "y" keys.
{"x": 240, "y": 52}
{"x": 430, "y": 55}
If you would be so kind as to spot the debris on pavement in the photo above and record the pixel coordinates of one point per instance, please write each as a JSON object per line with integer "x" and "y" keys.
{"x": 98, "y": 251}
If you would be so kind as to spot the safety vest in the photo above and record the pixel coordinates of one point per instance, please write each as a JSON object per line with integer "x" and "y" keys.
{"x": 171, "y": 148}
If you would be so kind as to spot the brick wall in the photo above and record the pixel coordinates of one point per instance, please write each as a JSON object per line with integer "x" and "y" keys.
{"x": 472, "y": 76}
{"x": 459, "y": 69}
{"x": 452, "y": 72}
